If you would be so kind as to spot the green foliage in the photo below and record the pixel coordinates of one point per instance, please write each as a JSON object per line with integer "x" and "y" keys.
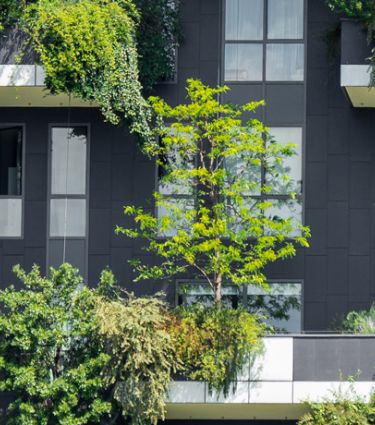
{"x": 72, "y": 355}
{"x": 88, "y": 49}
{"x": 359, "y": 9}
{"x": 360, "y": 322}
{"x": 158, "y": 34}
{"x": 343, "y": 408}
{"x": 48, "y": 351}
{"x": 220, "y": 225}
{"x": 142, "y": 355}
{"x": 95, "y": 49}
{"x": 214, "y": 343}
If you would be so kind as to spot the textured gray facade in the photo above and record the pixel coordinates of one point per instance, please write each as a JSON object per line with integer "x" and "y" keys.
{"x": 338, "y": 271}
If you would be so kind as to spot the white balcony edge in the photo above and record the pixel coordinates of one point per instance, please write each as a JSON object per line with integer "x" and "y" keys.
{"x": 355, "y": 75}
{"x": 267, "y": 380}
{"x": 265, "y": 392}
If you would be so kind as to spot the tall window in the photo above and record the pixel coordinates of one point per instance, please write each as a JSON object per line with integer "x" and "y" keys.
{"x": 280, "y": 304}
{"x": 264, "y": 40}
{"x": 11, "y": 169}
{"x": 68, "y": 182}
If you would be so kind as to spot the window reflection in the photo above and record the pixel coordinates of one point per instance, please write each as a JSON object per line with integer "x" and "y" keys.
{"x": 280, "y": 304}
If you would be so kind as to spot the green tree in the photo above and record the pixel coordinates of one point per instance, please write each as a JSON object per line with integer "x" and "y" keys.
{"x": 70, "y": 355}
{"x": 49, "y": 357}
{"x": 219, "y": 221}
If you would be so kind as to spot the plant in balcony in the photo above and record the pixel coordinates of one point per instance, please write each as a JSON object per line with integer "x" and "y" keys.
{"x": 360, "y": 322}
{"x": 213, "y": 344}
{"x": 343, "y": 407}
{"x": 217, "y": 218}
{"x": 93, "y": 49}
{"x": 363, "y": 11}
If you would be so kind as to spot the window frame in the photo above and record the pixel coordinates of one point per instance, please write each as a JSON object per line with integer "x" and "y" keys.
{"x": 22, "y": 125}
{"x": 264, "y": 42}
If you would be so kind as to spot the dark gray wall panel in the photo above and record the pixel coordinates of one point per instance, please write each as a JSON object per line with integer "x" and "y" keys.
{"x": 285, "y": 104}
{"x": 325, "y": 359}
{"x": 341, "y": 215}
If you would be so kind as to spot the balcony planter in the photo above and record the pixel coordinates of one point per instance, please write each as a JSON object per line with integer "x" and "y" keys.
{"x": 355, "y": 65}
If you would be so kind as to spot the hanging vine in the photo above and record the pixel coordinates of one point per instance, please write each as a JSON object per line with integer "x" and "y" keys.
{"x": 95, "y": 50}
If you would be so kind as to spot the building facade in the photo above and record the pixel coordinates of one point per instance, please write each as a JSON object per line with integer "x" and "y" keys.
{"x": 61, "y": 202}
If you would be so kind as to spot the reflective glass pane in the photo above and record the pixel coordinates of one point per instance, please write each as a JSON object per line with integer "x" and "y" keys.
{"x": 243, "y": 62}
{"x": 10, "y": 218}
{"x": 194, "y": 293}
{"x": 241, "y": 170}
{"x": 286, "y": 177}
{"x": 174, "y": 186}
{"x": 281, "y": 305}
{"x": 285, "y": 62}
{"x": 68, "y": 218}
{"x": 11, "y": 161}
{"x": 244, "y": 20}
{"x": 69, "y": 150}
{"x": 285, "y": 19}
{"x": 287, "y": 209}
{"x": 175, "y": 209}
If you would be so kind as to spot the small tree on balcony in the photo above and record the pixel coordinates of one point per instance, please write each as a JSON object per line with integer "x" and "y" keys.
{"x": 217, "y": 219}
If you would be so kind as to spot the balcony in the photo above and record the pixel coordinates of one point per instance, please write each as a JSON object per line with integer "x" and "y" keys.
{"x": 292, "y": 370}
{"x": 355, "y": 69}
{"x": 22, "y": 84}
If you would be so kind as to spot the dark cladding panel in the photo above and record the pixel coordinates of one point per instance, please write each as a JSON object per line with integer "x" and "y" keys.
{"x": 285, "y": 104}
{"x": 329, "y": 358}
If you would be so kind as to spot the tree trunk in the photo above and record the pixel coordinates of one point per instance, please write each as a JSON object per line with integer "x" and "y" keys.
{"x": 217, "y": 288}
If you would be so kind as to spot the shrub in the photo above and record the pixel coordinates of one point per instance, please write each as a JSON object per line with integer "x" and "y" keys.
{"x": 360, "y": 322}
{"x": 342, "y": 408}
{"x": 213, "y": 344}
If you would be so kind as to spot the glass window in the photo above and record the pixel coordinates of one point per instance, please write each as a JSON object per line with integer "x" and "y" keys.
{"x": 283, "y": 209}
{"x": 281, "y": 305}
{"x": 69, "y": 147}
{"x": 68, "y": 218}
{"x": 251, "y": 174}
{"x": 190, "y": 293}
{"x": 11, "y": 161}
{"x": 10, "y": 218}
{"x": 182, "y": 204}
{"x": 244, "y": 20}
{"x": 243, "y": 62}
{"x": 285, "y": 62}
{"x": 285, "y": 19}
{"x": 292, "y": 166}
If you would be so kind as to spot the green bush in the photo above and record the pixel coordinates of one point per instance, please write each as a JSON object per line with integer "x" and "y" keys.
{"x": 71, "y": 355}
{"x": 213, "y": 344}
{"x": 342, "y": 408}
{"x": 360, "y": 322}
{"x": 359, "y": 9}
